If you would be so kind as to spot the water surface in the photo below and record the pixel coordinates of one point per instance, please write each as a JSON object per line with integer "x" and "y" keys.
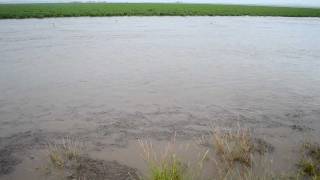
{"x": 112, "y": 80}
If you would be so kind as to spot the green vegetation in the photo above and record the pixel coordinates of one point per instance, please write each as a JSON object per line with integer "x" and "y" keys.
{"x": 233, "y": 154}
{"x": 230, "y": 154}
{"x": 171, "y": 169}
{"x": 309, "y": 164}
{"x": 167, "y": 164}
{"x": 8, "y": 11}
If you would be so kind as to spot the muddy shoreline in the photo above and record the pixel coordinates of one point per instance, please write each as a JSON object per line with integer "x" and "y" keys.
{"x": 120, "y": 138}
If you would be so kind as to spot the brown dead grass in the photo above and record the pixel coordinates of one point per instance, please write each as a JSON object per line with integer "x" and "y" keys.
{"x": 309, "y": 164}
{"x": 234, "y": 146}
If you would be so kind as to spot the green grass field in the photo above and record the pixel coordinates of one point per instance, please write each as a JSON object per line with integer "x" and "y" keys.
{"x": 8, "y": 11}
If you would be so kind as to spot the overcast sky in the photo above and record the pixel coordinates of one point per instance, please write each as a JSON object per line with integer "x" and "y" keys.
{"x": 312, "y": 3}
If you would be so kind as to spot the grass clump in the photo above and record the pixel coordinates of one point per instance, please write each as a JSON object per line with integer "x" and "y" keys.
{"x": 234, "y": 146}
{"x": 64, "y": 157}
{"x": 62, "y": 154}
{"x": 232, "y": 158}
{"x": 170, "y": 169}
{"x": 68, "y": 160}
{"x": 238, "y": 155}
{"x": 309, "y": 165}
{"x": 166, "y": 165}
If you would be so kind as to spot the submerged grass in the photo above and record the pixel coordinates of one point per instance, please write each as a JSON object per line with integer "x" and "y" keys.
{"x": 231, "y": 154}
{"x": 239, "y": 156}
{"x": 166, "y": 164}
{"x": 63, "y": 157}
{"x": 234, "y": 146}
{"x": 309, "y": 164}
{"x": 64, "y": 152}
{"x": 147, "y": 9}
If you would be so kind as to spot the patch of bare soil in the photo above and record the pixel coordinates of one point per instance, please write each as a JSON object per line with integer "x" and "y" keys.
{"x": 88, "y": 168}
{"x": 68, "y": 159}
{"x": 261, "y": 146}
{"x": 12, "y": 148}
{"x": 7, "y": 161}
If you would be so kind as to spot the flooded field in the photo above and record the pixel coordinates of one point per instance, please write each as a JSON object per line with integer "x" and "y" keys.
{"x": 111, "y": 81}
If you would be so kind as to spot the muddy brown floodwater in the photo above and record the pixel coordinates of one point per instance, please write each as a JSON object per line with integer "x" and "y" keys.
{"x": 109, "y": 81}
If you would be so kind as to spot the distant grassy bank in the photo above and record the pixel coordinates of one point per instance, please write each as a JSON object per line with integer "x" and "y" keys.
{"x": 10, "y": 11}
